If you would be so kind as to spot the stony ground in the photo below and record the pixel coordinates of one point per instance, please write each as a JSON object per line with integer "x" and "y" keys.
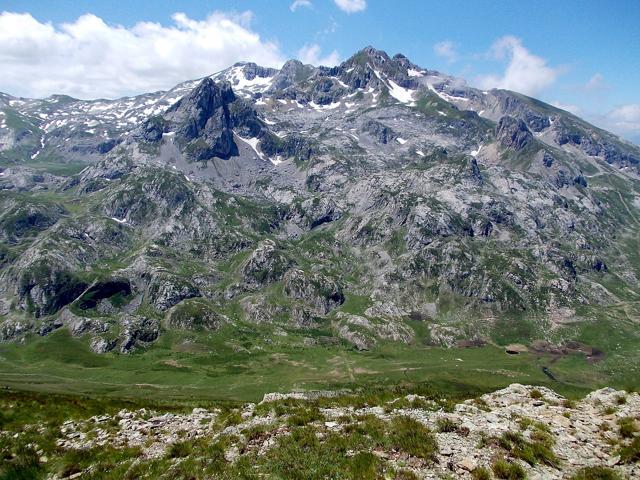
{"x": 548, "y": 436}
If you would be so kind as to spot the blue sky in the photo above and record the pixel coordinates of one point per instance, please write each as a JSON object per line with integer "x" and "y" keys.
{"x": 582, "y": 55}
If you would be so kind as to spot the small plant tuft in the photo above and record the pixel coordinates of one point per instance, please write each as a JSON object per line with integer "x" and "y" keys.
{"x": 508, "y": 470}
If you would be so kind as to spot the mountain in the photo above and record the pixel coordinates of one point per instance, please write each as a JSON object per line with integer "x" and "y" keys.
{"x": 372, "y": 202}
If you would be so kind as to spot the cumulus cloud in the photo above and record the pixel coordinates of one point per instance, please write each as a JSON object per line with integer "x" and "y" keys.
{"x": 351, "y": 6}
{"x": 525, "y": 72}
{"x": 300, "y": 4}
{"x": 312, "y": 54}
{"x": 447, "y": 50}
{"x": 576, "y": 110}
{"x": 625, "y": 118}
{"x": 89, "y": 58}
{"x": 596, "y": 83}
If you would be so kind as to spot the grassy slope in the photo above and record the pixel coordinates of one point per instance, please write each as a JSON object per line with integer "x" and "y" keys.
{"x": 236, "y": 364}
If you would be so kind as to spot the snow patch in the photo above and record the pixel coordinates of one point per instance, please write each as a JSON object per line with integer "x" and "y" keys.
{"x": 475, "y": 153}
{"x": 401, "y": 141}
{"x": 415, "y": 73}
{"x": 253, "y": 143}
{"x": 403, "y": 95}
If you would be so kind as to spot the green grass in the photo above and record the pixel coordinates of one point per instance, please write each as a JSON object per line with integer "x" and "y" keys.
{"x": 508, "y": 470}
{"x": 235, "y": 363}
{"x": 412, "y": 437}
{"x": 595, "y": 473}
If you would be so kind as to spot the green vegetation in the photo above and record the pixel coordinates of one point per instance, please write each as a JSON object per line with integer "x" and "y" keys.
{"x": 630, "y": 453}
{"x": 481, "y": 473}
{"x": 595, "y": 473}
{"x": 508, "y": 470}
{"x": 412, "y": 437}
{"x": 538, "y": 450}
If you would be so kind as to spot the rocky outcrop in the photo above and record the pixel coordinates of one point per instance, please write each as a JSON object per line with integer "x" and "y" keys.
{"x": 14, "y": 329}
{"x": 316, "y": 290}
{"x": 513, "y": 133}
{"x": 195, "y": 315}
{"x": 166, "y": 290}
{"x": 381, "y": 133}
{"x": 45, "y": 286}
{"x": 363, "y": 333}
{"x": 265, "y": 265}
{"x": 137, "y": 332}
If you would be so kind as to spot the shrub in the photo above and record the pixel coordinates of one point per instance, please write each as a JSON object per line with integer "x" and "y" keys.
{"x": 627, "y": 427}
{"x": 412, "y": 437}
{"x": 595, "y": 473}
{"x": 508, "y": 470}
{"x": 180, "y": 450}
{"x": 446, "y": 425}
{"x": 304, "y": 415}
{"x": 364, "y": 465}
{"x": 538, "y": 450}
{"x": 481, "y": 473}
{"x": 406, "y": 475}
{"x": 536, "y": 394}
{"x": 630, "y": 453}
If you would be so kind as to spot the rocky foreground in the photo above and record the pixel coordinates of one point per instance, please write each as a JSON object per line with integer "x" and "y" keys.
{"x": 518, "y": 432}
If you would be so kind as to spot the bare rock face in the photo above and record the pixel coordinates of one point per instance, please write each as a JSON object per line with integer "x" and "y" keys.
{"x": 202, "y": 122}
{"x": 513, "y": 133}
{"x": 102, "y": 345}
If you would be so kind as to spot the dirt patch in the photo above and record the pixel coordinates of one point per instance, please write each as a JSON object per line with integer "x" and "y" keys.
{"x": 173, "y": 363}
{"x": 359, "y": 370}
{"x": 542, "y": 347}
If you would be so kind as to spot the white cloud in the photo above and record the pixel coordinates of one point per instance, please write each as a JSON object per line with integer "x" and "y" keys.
{"x": 625, "y": 118}
{"x": 447, "y": 50}
{"x": 89, "y": 58}
{"x": 351, "y": 6}
{"x": 525, "y": 72}
{"x": 300, "y": 4}
{"x": 311, "y": 54}
{"x": 596, "y": 83}
{"x": 576, "y": 110}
